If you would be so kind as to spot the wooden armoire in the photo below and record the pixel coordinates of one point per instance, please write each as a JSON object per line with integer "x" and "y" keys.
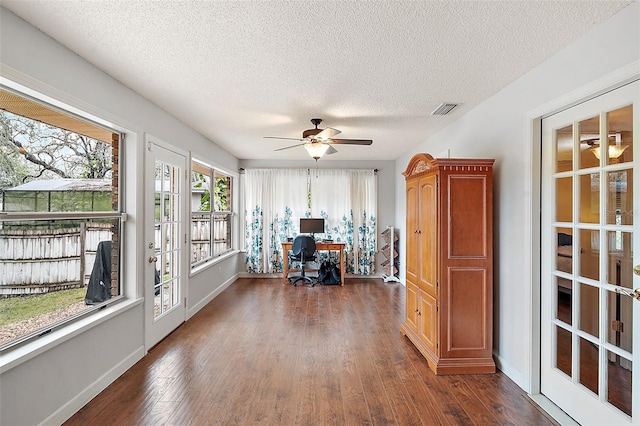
{"x": 449, "y": 263}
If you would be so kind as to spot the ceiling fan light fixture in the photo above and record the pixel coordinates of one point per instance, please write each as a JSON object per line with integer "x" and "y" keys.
{"x": 615, "y": 151}
{"x": 316, "y": 149}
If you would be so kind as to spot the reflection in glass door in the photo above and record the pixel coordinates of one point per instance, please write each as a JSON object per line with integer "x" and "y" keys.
{"x": 588, "y": 246}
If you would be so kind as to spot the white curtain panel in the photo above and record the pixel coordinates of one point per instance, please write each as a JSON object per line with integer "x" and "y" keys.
{"x": 347, "y": 200}
{"x": 275, "y": 200}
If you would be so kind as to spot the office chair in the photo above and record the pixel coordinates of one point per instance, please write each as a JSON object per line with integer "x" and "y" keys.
{"x": 304, "y": 249}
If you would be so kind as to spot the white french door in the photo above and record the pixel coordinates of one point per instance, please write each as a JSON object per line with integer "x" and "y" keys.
{"x": 164, "y": 239}
{"x": 590, "y": 244}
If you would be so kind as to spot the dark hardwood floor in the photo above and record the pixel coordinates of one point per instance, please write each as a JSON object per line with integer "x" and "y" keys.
{"x": 266, "y": 353}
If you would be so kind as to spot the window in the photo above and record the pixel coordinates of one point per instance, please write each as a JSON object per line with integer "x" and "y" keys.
{"x": 60, "y": 218}
{"x": 211, "y": 213}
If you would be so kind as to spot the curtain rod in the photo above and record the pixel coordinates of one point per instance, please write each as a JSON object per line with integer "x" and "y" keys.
{"x": 242, "y": 169}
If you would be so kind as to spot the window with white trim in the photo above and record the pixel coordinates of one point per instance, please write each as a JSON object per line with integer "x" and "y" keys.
{"x": 211, "y": 213}
{"x": 60, "y": 218}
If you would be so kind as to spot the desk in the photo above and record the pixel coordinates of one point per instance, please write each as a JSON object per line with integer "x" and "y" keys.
{"x": 320, "y": 246}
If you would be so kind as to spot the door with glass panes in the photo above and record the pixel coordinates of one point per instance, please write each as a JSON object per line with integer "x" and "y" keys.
{"x": 590, "y": 244}
{"x": 165, "y": 297}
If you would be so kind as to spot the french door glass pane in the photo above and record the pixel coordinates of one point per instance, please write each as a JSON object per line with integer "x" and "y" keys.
{"x": 563, "y": 350}
{"x": 620, "y": 197}
{"x": 619, "y": 375}
{"x": 620, "y": 258}
{"x": 589, "y": 255}
{"x": 619, "y": 124}
{"x": 589, "y": 141}
{"x": 590, "y": 198}
{"x": 166, "y": 180}
{"x": 166, "y": 207}
{"x": 620, "y": 320}
{"x": 588, "y": 359}
{"x": 564, "y": 299}
{"x": 564, "y": 149}
{"x": 157, "y": 208}
{"x": 564, "y": 199}
{"x": 564, "y": 250}
{"x": 589, "y": 309}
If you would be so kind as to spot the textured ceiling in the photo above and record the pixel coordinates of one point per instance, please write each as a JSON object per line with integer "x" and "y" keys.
{"x": 236, "y": 71}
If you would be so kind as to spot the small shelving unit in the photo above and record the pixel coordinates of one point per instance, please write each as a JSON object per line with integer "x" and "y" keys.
{"x": 390, "y": 251}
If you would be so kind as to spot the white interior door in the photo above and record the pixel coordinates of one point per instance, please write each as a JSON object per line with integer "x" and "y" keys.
{"x": 590, "y": 242}
{"x": 165, "y": 200}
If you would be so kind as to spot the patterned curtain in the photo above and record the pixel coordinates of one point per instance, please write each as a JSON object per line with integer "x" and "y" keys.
{"x": 275, "y": 199}
{"x": 347, "y": 200}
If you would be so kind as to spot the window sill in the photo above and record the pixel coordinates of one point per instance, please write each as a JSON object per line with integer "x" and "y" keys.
{"x": 16, "y": 356}
{"x": 212, "y": 262}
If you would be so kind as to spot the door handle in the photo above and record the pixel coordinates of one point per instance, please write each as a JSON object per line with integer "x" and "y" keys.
{"x": 635, "y": 294}
{"x": 152, "y": 259}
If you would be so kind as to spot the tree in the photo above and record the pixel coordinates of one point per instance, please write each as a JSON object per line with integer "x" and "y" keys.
{"x": 35, "y": 150}
{"x": 13, "y": 170}
{"x": 220, "y": 192}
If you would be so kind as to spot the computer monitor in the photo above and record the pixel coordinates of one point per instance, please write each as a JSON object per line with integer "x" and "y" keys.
{"x": 311, "y": 226}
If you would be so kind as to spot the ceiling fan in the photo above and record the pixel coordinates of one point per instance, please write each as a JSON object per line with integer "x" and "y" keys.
{"x": 318, "y": 142}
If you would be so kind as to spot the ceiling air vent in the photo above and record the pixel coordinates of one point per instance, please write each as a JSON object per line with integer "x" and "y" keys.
{"x": 444, "y": 109}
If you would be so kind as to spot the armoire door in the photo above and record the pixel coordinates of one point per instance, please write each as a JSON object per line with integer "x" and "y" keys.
{"x": 413, "y": 214}
{"x": 428, "y": 234}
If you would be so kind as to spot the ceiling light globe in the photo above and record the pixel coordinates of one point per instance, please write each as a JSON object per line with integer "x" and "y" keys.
{"x": 316, "y": 149}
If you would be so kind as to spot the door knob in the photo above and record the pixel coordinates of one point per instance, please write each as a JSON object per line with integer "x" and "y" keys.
{"x": 152, "y": 259}
{"x": 636, "y": 269}
{"x": 635, "y": 294}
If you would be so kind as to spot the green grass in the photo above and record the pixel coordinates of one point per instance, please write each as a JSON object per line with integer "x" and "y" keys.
{"x": 16, "y": 309}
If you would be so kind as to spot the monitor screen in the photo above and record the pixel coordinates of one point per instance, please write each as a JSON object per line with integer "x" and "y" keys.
{"x": 311, "y": 226}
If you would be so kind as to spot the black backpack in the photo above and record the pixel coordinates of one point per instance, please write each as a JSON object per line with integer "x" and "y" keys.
{"x": 328, "y": 274}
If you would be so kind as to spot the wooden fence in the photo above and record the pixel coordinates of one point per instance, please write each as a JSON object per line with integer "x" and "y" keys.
{"x": 200, "y": 237}
{"x": 36, "y": 261}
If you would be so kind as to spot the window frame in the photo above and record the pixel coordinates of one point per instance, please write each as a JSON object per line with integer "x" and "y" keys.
{"x": 196, "y": 166}
{"x": 55, "y": 332}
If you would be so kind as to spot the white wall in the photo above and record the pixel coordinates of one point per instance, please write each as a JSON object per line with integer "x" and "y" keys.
{"x": 387, "y": 175}
{"x": 63, "y": 374}
{"x": 499, "y": 129}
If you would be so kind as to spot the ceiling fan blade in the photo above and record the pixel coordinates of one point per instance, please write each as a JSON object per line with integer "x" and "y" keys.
{"x": 351, "y": 141}
{"x": 327, "y": 133}
{"x": 278, "y": 137}
{"x": 291, "y": 146}
{"x": 331, "y": 150}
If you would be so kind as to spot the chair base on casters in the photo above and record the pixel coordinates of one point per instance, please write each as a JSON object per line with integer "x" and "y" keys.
{"x": 294, "y": 280}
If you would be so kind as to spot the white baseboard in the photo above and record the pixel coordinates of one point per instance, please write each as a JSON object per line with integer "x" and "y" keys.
{"x": 553, "y": 410}
{"x": 65, "y": 412}
{"x": 513, "y": 373}
{"x": 542, "y": 401}
{"x": 254, "y": 275}
{"x": 279, "y": 275}
{"x": 201, "y": 304}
